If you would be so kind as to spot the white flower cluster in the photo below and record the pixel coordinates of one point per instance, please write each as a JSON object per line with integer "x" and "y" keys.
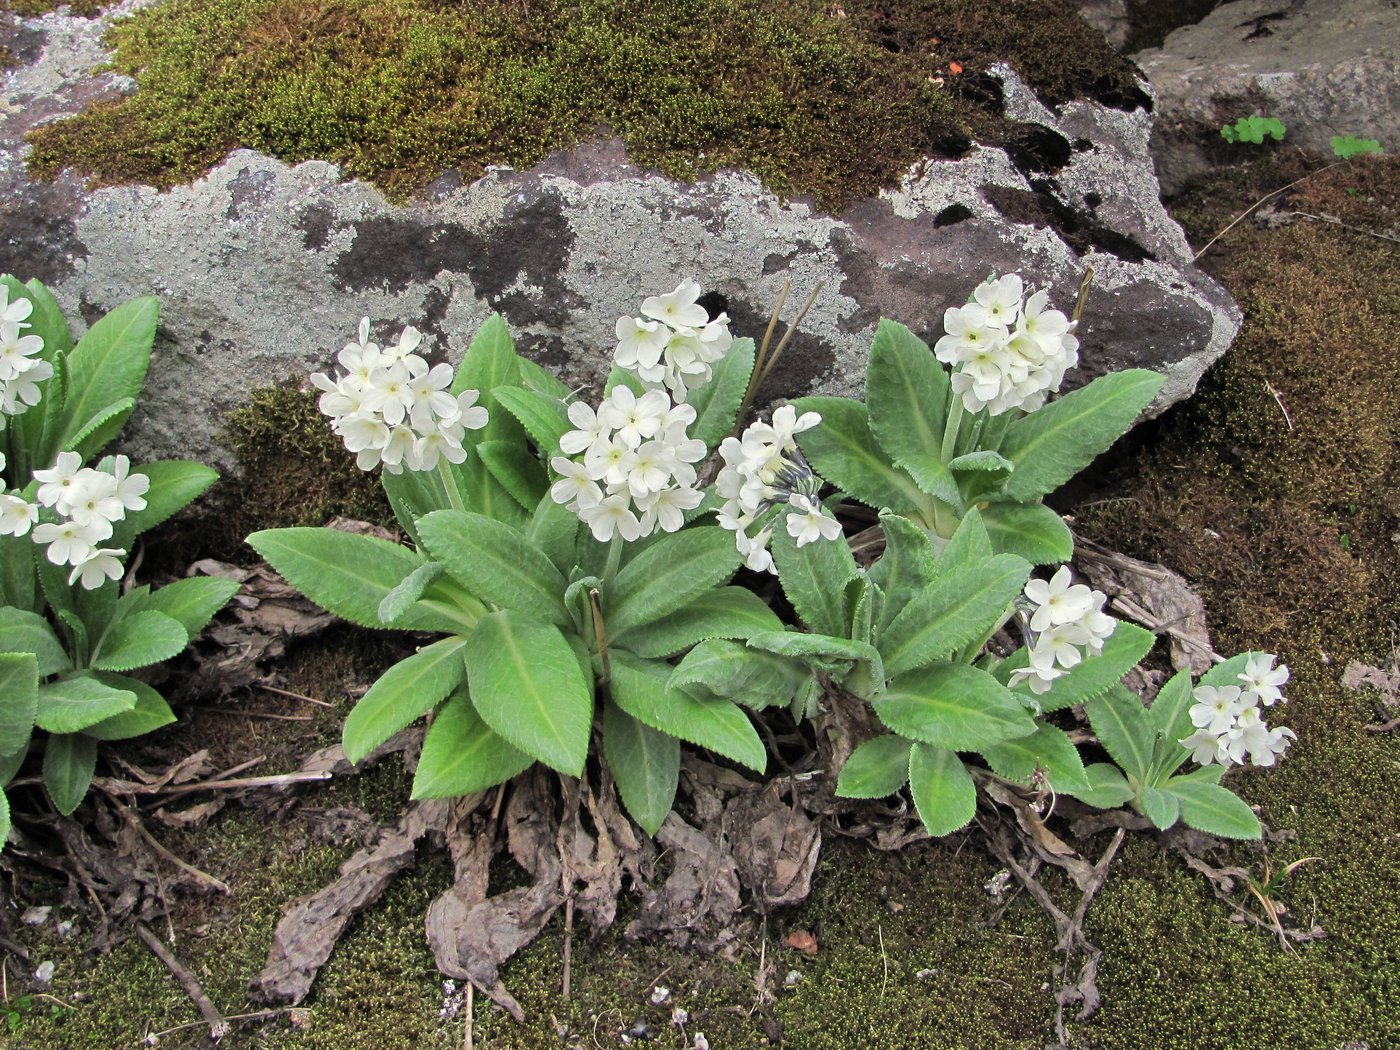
{"x": 87, "y": 503}
{"x": 637, "y": 473}
{"x": 1007, "y": 352}
{"x": 1064, "y": 619}
{"x": 763, "y": 469}
{"x": 1227, "y": 719}
{"x": 21, "y": 371}
{"x": 392, "y": 409}
{"x": 674, "y": 346}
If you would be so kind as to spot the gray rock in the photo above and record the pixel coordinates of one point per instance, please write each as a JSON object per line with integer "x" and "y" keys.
{"x": 264, "y": 269}
{"x": 1323, "y": 68}
{"x": 1109, "y": 17}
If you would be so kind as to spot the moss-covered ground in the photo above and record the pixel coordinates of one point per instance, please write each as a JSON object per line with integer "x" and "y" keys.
{"x": 822, "y": 99}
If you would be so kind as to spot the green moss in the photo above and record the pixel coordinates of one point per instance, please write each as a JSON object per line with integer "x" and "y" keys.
{"x": 292, "y": 469}
{"x": 399, "y": 91}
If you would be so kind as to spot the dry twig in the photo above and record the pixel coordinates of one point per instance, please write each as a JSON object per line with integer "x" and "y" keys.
{"x": 218, "y": 1024}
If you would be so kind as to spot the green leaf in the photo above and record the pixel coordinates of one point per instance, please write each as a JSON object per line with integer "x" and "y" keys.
{"x": 646, "y": 765}
{"x": 403, "y": 597}
{"x": 175, "y": 483}
{"x": 943, "y": 791}
{"x": 667, "y": 575}
{"x": 527, "y": 685}
{"x": 19, "y": 698}
{"x": 716, "y": 403}
{"x": 70, "y": 705}
{"x": 345, "y": 574}
{"x": 553, "y": 530}
{"x": 108, "y": 364}
{"x": 461, "y": 755}
{"x": 639, "y": 688}
{"x": 1053, "y": 444}
{"x": 1095, "y": 675}
{"x": 1047, "y": 749}
{"x": 541, "y": 380}
{"x": 906, "y": 395}
{"x": 723, "y": 612}
{"x": 1213, "y": 809}
{"x": 69, "y": 762}
{"x": 1122, "y": 726}
{"x": 490, "y": 362}
{"x": 953, "y": 706}
{"x": 1161, "y": 808}
{"x": 480, "y": 491}
{"x": 1029, "y": 530}
{"x": 747, "y": 676}
{"x": 10, "y": 764}
{"x": 403, "y": 694}
{"x": 824, "y": 652}
{"x": 191, "y": 602}
{"x": 496, "y": 563}
{"x": 906, "y": 567}
{"x": 27, "y": 632}
{"x": 969, "y": 545}
{"x": 544, "y": 418}
{"x": 1107, "y": 788}
{"x": 1348, "y": 146}
{"x": 983, "y": 461}
{"x": 879, "y": 767}
{"x": 150, "y": 713}
{"x": 516, "y": 469}
{"x": 97, "y": 432}
{"x": 138, "y": 640}
{"x": 958, "y": 607}
{"x": 17, "y": 571}
{"x": 844, "y": 451}
{"x": 1170, "y": 710}
{"x": 4, "y": 819}
{"x": 814, "y": 578}
{"x": 621, "y": 377}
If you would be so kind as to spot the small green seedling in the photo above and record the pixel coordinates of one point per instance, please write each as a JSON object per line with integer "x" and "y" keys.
{"x": 1253, "y": 129}
{"x": 1348, "y": 146}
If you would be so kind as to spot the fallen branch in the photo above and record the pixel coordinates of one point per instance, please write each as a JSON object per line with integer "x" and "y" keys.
{"x": 218, "y": 1024}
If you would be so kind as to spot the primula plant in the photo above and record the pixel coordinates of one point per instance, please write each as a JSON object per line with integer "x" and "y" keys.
{"x": 72, "y": 625}
{"x": 566, "y": 554}
{"x": 558, "y": 548}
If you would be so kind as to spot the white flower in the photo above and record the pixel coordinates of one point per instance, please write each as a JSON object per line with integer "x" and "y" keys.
{"x": 1216, "y": 709}
{"x": 575, "y": 488}
{"x": 806, "y": 523}
{"x": 16, "y": 351}
{"x": 21, "y": 393}
{"x": 16, "y": 516}
{"x": 93, "y": 497}
{"x": 14, "y": 312}
{"x": 591, "y": 428}
{"x": 98, "y": 567}
{"x": 131, "y": 488}
{"x": 59, "y": 481}
{"x": 612, "y": 515}
{"x": 666, "y": 508}
{"x": 634, "y": 418}
{"x": 1263, "y": 679}
{"x": 68, "y": 542}
{"x": 1205, "y": 748}
{"x": 640, "y": 343}
{"x": 757, "y": 556}
{"x": 1058, "y": 602}
{"x": 679, "y": 308}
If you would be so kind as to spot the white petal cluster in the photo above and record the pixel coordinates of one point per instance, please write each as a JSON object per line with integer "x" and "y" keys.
{"x": 392, "y": 409}
{"x": 637, "y": 473}
{"x": 674, "y": 345}
{"x": 1229, "y": 726}
{"x": 21, "y": 370}
{"x": 764, "y": 469}
{"x": 86, "y": 504}
{"x": 1066, "y": 621}
{"x": 1007, "y": 351}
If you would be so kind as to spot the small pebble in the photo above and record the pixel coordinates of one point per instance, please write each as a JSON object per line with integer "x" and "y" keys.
{"x": 926, "y": 975}
{"x": 44, "y": 974}
{"x": 660, "y": 994}
{"x": 679, "y": 1016}
{"x": 791, "y": 979}
{"x": 35, "y": 916}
